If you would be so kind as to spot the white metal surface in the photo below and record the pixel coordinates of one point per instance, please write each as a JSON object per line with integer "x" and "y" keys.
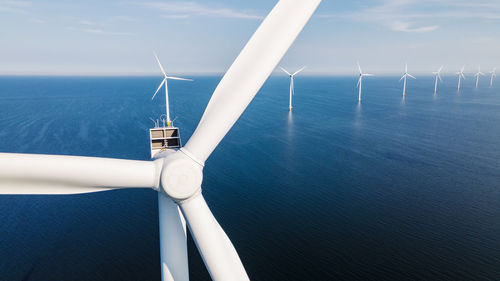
{"x": 405, "y": 75}
{"x": 478, "y": 73}
{"x": 460, "y": 76}
{"x": 248, "y": 72}
{"x": 493, "y": 75}
{"x": 217, "y": 251}
{"x": 292, "y": 86}
{"x": 173, "y": 244}
{"x": 360, "y": 81}
{"x": 437, "y": 75}
{"x": 55, "y": 174}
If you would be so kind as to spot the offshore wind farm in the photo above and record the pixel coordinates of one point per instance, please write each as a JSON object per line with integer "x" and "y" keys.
{"x": 369, "y": 175}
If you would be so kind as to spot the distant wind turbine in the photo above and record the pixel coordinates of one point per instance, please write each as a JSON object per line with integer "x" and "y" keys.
{"x": 493, "y": 75}
{"x": 169, "y": 122}
{"x": 292, "y": 91}
{"x": 479, "y": 73}
{"x": 360, "y": 80}
{"x": 437, "y": 75}
{"x": 460, "y": 76}
{"x": 404, "y": 78}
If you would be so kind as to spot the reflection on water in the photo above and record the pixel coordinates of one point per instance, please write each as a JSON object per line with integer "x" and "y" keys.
{"x": 290, "y": 124}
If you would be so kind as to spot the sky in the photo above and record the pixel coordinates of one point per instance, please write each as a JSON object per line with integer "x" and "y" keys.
{"x": 203, "y": 37}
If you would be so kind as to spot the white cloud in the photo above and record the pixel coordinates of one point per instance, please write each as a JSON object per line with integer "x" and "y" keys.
{"x": 192, "y": 9}
{"x": 406, "y": 27}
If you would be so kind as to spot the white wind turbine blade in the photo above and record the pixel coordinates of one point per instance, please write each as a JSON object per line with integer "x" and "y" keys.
{"x": 368, "y": 74}
{"x": 402, "y": 77}
{"x": 159, "y": 87}
{"x": 406, "y": 68}
{"x": 479, "y": 71}
{"x": 284, "y": 70}
{"x": 441, "y": 68}
{"x": 359, "y": 81}
{"x": 161, "y": 67}
{"x": 248, "y": 73}
{"x": 173, "y": 241}
{"x": 55, "y": 174}
{"x": 411, "y": 76}
{"x": 217, "y": 251}
{"x": 298, "y": 71}
{"x": 178, "y": 78}
{"x": 359, "y": 68}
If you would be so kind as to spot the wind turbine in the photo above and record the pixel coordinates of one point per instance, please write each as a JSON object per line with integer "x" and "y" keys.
{"x": 437, "y": 75}
{"x": 460, "y": 76}
{"x": 360, "y": 80}
{"x": 405, "y": 75}
{"x": 493, "y": 75}
{"x": 478, "y": 73}
{"x": 166, "y": 77}
{"x": 176, "y": 174}
{"x": 292, "y": 91}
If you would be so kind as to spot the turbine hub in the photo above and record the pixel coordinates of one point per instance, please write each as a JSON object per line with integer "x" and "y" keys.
{"x": 181, "y": 176}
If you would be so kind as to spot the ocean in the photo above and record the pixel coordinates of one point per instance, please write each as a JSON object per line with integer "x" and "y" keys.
{"x": 389, "y": 189}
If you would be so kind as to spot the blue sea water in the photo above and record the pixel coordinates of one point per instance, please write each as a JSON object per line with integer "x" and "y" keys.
{"x": 389, "y": 189}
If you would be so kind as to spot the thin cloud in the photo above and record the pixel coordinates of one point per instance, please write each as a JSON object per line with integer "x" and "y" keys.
{"x": 193, "y": 9}
{"x": 406, "y": 27}
{"x": 20, "y": 7}
{"x": 176, "y": 16}
{"x": 37, "y": 20}
{"x": 103, "y": 32}
{"x": 122, "y": 18}
{"x": 415, "y": 15}
{"x": 86, "y": 22}
{"x": 97, "y": 31}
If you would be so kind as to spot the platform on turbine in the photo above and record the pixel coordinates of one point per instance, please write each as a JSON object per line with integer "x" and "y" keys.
{"x": 162, "y": 138}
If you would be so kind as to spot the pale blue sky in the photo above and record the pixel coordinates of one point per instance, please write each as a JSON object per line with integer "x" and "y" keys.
{"x": 118, "y": 37}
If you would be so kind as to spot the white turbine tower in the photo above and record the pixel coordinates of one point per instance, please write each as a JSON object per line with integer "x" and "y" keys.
{"x": 493, "y": 75}
{"x": 460, "y": 76}
{"x": 405, "y": 75}
{"x": 478, "y": 73}
{"x": 437, "y": 75}
{"x": 176, "y": 175}
{"x": 292, "y": 91}
{"x": 166, "y": 77}
{"x": 360, "y": 80}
